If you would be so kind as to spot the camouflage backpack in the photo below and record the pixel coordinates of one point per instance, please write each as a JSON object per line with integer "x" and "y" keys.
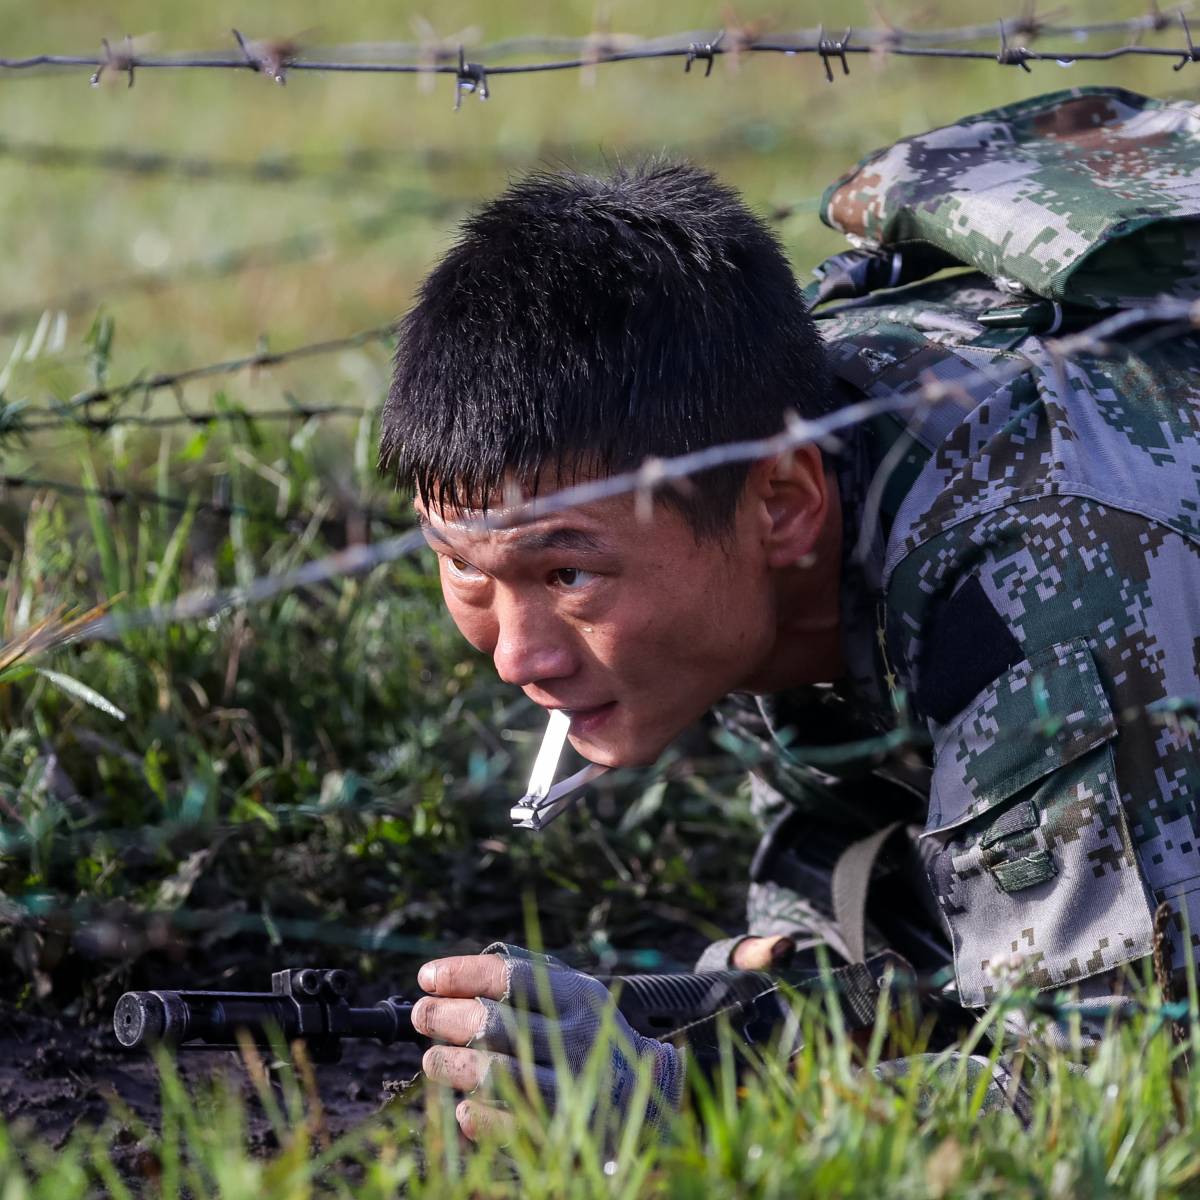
{"x": 1082, "y": 202}
{"x": 1087, "y": 197}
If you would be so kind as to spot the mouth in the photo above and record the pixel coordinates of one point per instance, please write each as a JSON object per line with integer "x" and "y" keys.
{"x": 586, "y": 721}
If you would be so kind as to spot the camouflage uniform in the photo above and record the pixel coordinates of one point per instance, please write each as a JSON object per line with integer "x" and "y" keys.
{"x": 1021, "y": 598}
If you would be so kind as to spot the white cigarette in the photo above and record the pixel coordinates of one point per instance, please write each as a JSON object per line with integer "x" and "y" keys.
{"x": 545, "y": 799}
{"x": 545, "y": 766}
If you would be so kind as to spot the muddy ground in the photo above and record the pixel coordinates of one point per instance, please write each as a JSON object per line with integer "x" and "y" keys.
{"x": 59, "y": 1074}
{"x": 56, "y": 1076}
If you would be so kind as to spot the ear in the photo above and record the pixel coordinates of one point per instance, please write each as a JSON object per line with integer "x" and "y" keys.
{"x": 792, "y": 491}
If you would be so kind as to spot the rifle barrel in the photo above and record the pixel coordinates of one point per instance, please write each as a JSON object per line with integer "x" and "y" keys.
{"x": 180, "y": 1018}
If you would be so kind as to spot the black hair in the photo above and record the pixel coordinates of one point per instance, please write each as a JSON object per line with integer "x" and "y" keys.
{"x": 582, "y": 324}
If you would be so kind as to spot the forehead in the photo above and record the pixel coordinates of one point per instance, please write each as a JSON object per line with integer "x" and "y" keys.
{"x": 608, "y": 525}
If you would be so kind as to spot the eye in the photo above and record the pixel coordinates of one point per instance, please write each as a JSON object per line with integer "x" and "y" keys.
{"x": 571, "y": 579}
{"x": 461, "y": 569}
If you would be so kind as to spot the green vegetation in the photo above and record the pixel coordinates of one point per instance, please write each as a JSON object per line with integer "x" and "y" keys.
{"x": 332, "y": 770}
{"x": 823, "y": 1127}
{"x": 334, "y": 756}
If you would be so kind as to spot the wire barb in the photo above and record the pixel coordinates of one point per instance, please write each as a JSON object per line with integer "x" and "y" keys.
{"x": 1190, "y": 55}
{"x": 1012, "y": 56}
{"x": 1157, "y": 20}
{"x": 124, "y": 61}
{"x": 267, "y": 58}
{"x": 470, "y": 77}
{"x": 704, "y": 52}
{"x": 428, "y": 59}
{"x": 828, "y": 48}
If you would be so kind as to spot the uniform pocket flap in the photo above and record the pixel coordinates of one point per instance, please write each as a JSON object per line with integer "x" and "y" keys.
{"x": 1040, "y": 714}
{"x": 1026, "y": 847}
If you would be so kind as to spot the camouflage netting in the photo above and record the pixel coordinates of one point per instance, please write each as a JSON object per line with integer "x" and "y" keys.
{"x": 1089, "y": 196}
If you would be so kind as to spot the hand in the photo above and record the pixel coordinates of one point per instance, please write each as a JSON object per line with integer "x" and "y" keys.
{"x": 485, "y": 1005}
{"x": 762, "y": 953}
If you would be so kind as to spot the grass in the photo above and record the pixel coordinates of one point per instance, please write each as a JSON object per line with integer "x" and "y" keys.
{"x": 826, "y": 1124}
{"x": 332, "y": 771}
{"x": 334, "y": 756}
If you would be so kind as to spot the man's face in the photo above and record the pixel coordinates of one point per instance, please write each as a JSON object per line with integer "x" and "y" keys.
{"x": 631, "y": 625}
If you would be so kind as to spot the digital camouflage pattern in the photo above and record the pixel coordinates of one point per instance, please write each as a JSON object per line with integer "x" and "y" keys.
{"x": 1021, "y": 614}
{"x": 1089, "y": 196}
{"x": 1062, "y": 790}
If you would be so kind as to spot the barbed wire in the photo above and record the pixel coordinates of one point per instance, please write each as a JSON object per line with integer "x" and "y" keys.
{"x": 1169, "y": 711}
{"x": 76, "y": 412}
{"x": 296, "y": 247}
{"x": 279, "y": 54}
{"x": 121, "y": 918}
{"x": 359, "y": 165}
{"x": 107, "y": 928}
{"x": 335, "y": 171}
{"x": 1164, "y": 315}
{"x": 651, "y": 476}
{"x": 277, "y": 57}
{"x": 290, "y": 518}
{"x": 233, "y": 416}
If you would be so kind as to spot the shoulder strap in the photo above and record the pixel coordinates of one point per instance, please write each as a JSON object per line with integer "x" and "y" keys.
{"x": 850, "y": 884}
{"x": 853, "y": 273}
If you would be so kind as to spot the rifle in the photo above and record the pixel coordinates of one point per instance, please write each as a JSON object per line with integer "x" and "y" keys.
{"x": 316, "y": 1006}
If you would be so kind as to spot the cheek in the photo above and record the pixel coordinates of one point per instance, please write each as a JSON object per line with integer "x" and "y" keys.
{"x": 668, "y": 634}
{"x": 713, "y": 626}
{"x": 474, "y": 621}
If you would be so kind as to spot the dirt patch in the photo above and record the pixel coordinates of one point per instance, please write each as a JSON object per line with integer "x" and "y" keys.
{"x": 56, "y": 1077}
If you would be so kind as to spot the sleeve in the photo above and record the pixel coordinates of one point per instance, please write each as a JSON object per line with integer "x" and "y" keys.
{"x": 790, "y": 890}
{"x": 1059, "y": 636}
{"x": 772, "y": 907}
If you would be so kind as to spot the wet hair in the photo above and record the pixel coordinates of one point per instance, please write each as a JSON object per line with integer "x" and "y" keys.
{"x": 583, "y": 323}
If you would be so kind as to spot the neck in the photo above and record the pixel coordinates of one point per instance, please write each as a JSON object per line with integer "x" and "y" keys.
{"x": 808, "y": 633}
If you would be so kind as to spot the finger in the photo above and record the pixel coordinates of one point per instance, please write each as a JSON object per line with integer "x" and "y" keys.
{"x": 507, "y": 1030}
{"x": 514, "y": 1083}
{"x": 455, "y": 1021}
{"x": 466, "y": 975}
{"x": 496, "y": 1075}
{"x": 456, "y": 1066}
{"x": 478, "y": 1121}
{"x": 762, "y": 953}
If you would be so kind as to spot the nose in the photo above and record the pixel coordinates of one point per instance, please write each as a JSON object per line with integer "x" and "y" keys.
{"x": 531, "y": 645}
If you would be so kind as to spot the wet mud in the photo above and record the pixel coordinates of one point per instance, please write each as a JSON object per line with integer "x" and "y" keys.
{"x": 56, "y": 1077}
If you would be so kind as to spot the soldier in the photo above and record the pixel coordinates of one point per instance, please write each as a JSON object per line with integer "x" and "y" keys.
{"x": 964, "y": 641}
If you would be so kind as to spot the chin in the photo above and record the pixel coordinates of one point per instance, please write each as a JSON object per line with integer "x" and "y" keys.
{"x": 613, "y": 754}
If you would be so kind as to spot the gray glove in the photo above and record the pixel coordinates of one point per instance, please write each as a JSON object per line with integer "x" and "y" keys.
{"x": 562, "y": 1013}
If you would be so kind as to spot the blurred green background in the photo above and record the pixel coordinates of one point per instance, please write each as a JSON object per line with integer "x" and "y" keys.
{"x": 338, "y": 756}
{"x": 770, "y": 125}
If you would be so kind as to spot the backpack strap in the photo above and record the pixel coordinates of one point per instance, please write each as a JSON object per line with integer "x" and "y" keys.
{"x": 850, "y": 884}
{"x": 859, "y": 272}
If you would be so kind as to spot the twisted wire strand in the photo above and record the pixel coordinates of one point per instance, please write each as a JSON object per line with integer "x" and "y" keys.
{"x": 294, "y": 248}
{"x": 276, "y": 57}
{"x": 1163, "y": 315}
{"x": 77, "y": 412}
{"x": 293, "y": 518}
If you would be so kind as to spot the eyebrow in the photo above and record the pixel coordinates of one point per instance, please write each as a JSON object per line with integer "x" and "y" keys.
{"x": 533, "y": 541}
{"x": 539, "y": 541}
